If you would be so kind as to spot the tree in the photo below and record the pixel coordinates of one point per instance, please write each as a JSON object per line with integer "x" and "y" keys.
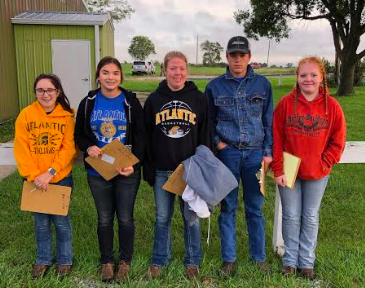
{"x": 141, "y": 47}
{"x": 118, "y": 9}
{"x": 346, "y": 17}
{"x": 212, "y": 52}
{"x": 359, "y": 73}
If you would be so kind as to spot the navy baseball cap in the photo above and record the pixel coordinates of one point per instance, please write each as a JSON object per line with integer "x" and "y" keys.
{"x": 238, "y": 44}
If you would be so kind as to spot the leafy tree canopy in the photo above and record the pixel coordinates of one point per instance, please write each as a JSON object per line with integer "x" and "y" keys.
{"x": 141, "y": 47}
{"x": 212, "y": 52}
{"x": 118, "y": 9}
{"x": 270, "y": 18}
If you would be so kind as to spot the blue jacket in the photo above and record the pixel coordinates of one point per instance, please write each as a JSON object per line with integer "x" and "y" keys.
{"x": 242, "y": 113}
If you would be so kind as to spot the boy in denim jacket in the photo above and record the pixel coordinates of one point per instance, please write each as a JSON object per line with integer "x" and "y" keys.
{"x": 241, "y": 107}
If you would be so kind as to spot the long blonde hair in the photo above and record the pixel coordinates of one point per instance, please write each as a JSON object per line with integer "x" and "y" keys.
{"x": 314, "y": 60}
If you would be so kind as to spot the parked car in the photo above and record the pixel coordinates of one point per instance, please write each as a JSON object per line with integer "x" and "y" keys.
{"x": 142, "y": 67}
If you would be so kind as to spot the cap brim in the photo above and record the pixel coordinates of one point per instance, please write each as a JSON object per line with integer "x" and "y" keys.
{"x": 241, "y": 50}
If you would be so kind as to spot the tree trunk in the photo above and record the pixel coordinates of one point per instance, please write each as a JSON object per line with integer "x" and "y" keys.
{"x": 346, "y": 86}
{"x": 337, "y": 69}
{"x": 348, "y": 59}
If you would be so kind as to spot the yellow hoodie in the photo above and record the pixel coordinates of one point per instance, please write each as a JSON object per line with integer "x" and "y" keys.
{"x": 43, "y": 141}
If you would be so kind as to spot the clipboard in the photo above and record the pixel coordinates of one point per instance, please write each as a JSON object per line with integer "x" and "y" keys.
{"x": 114, "y": 155}
{"x": 55, "y": 201}
{"x": 176, "y": 184}
{"x": 291, "y": 167}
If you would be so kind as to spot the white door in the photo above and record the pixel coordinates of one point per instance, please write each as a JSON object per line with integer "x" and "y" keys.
{"x": 72, "y": 64}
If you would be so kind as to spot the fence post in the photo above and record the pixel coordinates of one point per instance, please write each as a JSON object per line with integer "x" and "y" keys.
{"x": 277, "y": 239}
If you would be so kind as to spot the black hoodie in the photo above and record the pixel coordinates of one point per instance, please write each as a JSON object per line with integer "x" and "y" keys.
{"x": 136, "y": 133}
{"x": 176, "y": 122}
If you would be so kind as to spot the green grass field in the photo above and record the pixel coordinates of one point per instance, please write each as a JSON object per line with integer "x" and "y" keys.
{"x": 7, "y": 131}
{"x": 340, "y": 251}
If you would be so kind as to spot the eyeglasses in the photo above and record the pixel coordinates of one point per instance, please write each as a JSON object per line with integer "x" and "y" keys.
{"x": 50, "y": 91}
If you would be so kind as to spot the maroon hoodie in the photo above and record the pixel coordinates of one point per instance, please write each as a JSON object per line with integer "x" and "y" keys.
{"x": 318, "y": 139}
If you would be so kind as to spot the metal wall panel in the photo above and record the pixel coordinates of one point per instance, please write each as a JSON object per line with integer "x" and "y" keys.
{"x": 34, "y": 53}
{"x": 8, "y": 75}
{"x": 107, "y": 40}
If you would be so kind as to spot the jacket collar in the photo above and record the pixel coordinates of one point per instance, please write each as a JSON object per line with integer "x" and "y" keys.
{"x": 250, "y": 73}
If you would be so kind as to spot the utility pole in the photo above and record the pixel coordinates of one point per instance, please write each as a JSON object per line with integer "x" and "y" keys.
{"x": 197, "y": 49}
{"x": 268, "y": 53}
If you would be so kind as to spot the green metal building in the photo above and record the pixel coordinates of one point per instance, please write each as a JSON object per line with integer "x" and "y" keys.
{"x": 68, "y": 44}
{"x": 9, "y": 106}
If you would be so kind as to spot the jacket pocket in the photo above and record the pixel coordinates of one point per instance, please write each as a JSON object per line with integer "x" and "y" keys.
{"x": 256, "y": 104}
{"x": 225, "y": 108}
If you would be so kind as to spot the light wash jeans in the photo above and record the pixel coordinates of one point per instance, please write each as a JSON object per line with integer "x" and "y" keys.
{"x": 164, "y": 201}
{"x": 301, "y": 221}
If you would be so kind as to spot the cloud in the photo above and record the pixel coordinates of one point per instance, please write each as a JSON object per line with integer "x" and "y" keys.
{"x": 175, "y": 24}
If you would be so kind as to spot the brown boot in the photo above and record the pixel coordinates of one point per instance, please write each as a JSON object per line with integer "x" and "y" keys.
{"x": 39, "y": 270}
{"x": 228, "y": 269}
{"x": 154, "y": 271}
{"x": 123, "y": 270}
{"x": 63, "y": 270}
{"x": 191, "y": 272}
{"x": 264, "y": 266}
{"x": 107, "y": 272}
{"x": 307, "y": 273}
{"x": 288, "y": 271}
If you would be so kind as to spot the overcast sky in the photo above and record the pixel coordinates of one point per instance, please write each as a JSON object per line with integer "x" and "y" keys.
{"x": 175, "y": 24}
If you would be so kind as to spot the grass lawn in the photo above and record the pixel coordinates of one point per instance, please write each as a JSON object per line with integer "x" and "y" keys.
{"x": 340, "y": 251}
{"x": 7, "y": 131}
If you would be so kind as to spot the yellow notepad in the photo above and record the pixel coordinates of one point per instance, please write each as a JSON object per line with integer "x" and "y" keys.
{"x": 291, "y": 168}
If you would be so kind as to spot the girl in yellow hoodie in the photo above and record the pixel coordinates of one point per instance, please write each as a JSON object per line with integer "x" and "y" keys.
{"x": 44, "y": 150}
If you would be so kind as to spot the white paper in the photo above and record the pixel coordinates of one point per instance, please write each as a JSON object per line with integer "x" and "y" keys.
{"x": 108, "y": 159}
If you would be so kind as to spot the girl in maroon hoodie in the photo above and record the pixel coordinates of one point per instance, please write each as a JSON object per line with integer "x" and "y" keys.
{"x": 310, "y": 124}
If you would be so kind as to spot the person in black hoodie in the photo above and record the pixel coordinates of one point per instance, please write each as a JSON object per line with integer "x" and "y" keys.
{"x": 177, "y": 122}
{"x": 109, "y": 113}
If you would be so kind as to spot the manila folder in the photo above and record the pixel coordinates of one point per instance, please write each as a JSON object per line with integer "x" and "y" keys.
{"x": 114, "y": 155}
{"x": 55, "y": 201}
{"x": 176, "y": 184}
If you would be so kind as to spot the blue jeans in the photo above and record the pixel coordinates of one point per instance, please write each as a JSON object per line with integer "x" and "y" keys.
{"x": 244, "y": 164}
{"x": 164, "y": 201}
{"x": 300, "y": 221}
{"x": 116, "y": 196}
{"x": 43, "y": 234}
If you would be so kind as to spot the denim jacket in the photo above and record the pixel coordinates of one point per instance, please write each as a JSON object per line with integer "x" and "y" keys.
{"x": 242, "y": 113}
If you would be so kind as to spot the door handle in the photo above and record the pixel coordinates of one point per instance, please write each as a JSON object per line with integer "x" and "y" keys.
{"x": 85, "y": 79}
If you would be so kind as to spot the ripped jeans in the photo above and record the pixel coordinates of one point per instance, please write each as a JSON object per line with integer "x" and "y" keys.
{"x": 164, "y": 202}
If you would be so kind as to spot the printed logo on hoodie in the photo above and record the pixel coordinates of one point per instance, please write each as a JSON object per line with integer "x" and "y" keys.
{"x": 175, "y": 119}
{"x": 43, "y": 141}
{"x": 309, "y": 125}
